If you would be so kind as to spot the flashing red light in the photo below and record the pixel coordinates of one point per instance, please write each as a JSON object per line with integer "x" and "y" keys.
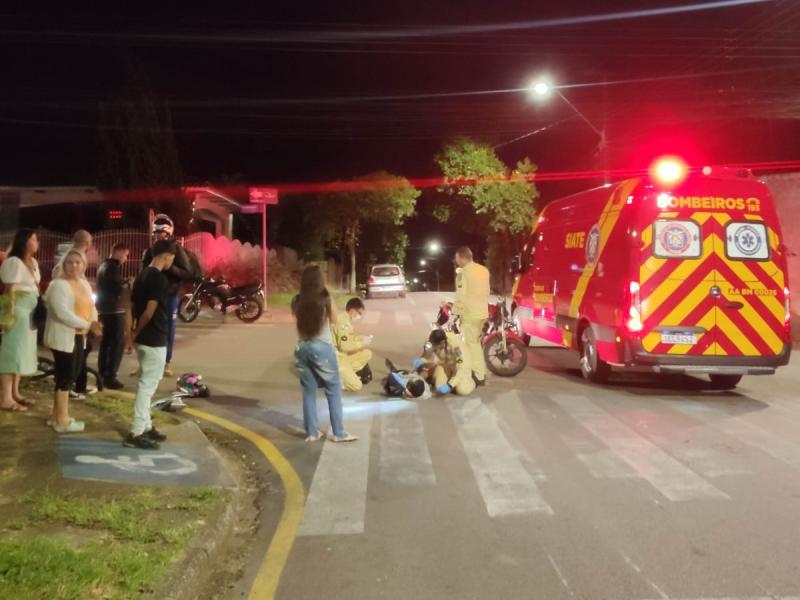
{"x": 371, "y": 280}
{"x": 115, "y": 215}
{"x": 669, "y": 170}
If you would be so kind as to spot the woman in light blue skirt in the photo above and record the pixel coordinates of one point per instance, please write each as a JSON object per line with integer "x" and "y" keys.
{"x": 20, "y": 276}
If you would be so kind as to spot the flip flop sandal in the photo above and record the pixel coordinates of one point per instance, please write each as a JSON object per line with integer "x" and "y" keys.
{"x": 16, "y": 407}
{"x": 73, "y": 427}
{"x": 26, "y": 402}
{"x": 345, "y": 438}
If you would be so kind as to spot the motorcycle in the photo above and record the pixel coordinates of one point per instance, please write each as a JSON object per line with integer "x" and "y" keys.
{"x": 248, "y": 300}
{"x": 504, "y": 349}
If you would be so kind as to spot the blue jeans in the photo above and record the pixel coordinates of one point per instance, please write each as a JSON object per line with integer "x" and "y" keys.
{"x": 316, "y": 362}
{"x": 172, "y": 317}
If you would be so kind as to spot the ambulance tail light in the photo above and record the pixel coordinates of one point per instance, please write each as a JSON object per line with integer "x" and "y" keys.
{"x": 634, "y": 316}
{"x": 371, "y": 281}
{"x": 787, "y": 314}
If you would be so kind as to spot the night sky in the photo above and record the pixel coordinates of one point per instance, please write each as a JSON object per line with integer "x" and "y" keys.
{"x": 310, "y": 91}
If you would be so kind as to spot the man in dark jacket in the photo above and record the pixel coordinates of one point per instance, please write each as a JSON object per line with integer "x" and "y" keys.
{"x": 181, "y": 271}
{"x": 113, "y": 301}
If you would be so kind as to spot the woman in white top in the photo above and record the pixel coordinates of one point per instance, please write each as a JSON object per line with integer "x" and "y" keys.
{"x": 71, "y": 315}
{"x": 20, "y": 275}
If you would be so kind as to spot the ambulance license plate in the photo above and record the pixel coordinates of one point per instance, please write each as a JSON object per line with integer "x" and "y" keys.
{"x": 679, "y": 338}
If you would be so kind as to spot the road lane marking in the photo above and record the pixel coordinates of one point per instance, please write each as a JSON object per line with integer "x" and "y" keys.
{"x": 403, "y": 318}
{"x": 675, "y": 481}
{"x": 410, "y": 300}
{"x": 404, "y": 455}
{"x": 563, "y": 579}
{"x": 337, "y": 499}
{"x": 505, "y": 485}
{"x": 638, "y": 570}
{"x": 266, "y": 582}
{"x": 783, "y": 450}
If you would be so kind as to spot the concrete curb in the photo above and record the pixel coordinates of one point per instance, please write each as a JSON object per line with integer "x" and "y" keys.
{"x": 190, "y": 576}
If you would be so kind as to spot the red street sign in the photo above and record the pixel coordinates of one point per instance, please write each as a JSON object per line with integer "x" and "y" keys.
{"x": 251, "y": 209}
{"x": 263, "y": 195}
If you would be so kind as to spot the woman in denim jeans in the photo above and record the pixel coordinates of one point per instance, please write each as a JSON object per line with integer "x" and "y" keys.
{"x": 315, "y": 356}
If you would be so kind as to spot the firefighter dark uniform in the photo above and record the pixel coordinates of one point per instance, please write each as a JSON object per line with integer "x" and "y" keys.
{"x": 350, "y": 352}
{"x": 451, "y": 366}
{"x": 472, "y": 304}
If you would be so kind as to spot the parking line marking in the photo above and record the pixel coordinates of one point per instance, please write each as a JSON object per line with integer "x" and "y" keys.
{"x": 674, "y": 480}
{"x": 505, "y": 485}
{"x": 266, "y": 582}
{"x": 404, "y": 455}
{"x": 337, "y": 499}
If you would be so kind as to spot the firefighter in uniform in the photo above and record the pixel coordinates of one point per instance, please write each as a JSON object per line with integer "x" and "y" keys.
{"x": 472, "y": 305}
{"x": 447, "y": 360}
{"x": 351, "y": 349}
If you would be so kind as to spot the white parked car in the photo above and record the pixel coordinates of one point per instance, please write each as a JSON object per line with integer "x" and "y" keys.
{"x": 386, "y": 279}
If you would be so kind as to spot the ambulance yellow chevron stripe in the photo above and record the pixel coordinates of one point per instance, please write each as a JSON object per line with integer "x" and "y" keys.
{"x": 606, "y": 222}
{"x": 747, "y": 317}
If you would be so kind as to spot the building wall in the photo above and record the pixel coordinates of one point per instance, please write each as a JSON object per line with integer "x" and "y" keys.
{"x": 785, "y": 190}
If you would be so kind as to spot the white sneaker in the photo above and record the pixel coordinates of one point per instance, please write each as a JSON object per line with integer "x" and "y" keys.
{"x": 90, "y": 389}
{"x": 73, "y": 395}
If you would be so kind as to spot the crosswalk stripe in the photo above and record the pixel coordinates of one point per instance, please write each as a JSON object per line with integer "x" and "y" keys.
{"x": 785, "y": 451}
{"x": 602, "y": 463}
{"x": 675, "y": 481}
{"x": 371, "y": 317}
{"x": 403, "y": 318}
{"x": 404, "y": 455}
{"x": 337, "y": 500}
{"x": 506, "y": 487}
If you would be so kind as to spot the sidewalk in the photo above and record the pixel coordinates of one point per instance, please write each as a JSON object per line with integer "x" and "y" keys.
{"x": 81, "y": 516}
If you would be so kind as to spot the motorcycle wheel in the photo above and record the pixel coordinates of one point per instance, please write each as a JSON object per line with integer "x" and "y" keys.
{"x": 505, "y": 363}
{"x": 188, "y": 310}
{"x": 250, "y": 310}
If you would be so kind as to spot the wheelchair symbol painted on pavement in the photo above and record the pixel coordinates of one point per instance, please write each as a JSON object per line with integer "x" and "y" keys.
{"x": 144, "y": 463}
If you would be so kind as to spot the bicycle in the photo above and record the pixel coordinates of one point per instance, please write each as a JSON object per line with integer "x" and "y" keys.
{"x": 47, "y": 368}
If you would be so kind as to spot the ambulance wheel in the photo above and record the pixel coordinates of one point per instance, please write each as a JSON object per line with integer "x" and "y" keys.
{"x": 592, "y": 367}
{"x": 725, "y": 382}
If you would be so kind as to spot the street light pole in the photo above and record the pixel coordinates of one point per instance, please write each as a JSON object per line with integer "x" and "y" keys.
{"x": 543, "y": 88}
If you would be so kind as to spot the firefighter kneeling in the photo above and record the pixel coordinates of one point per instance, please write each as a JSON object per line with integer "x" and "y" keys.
{"x": 447, "y": 354}
{"x": 351, "y": 349}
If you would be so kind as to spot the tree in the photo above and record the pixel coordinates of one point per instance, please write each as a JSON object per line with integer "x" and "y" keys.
{"x": 138, "y": 150}
{"x": 379, "y": 199}
{"x": 501, "y": 198}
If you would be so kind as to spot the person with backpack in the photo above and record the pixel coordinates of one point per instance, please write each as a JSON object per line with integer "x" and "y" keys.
{"x": 183, "y": 270}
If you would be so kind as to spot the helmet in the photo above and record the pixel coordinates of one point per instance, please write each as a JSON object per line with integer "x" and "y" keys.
{"x": 162, "y": 222}
{"x": 192, "y": 385}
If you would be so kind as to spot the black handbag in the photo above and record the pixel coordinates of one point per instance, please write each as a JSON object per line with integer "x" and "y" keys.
{"x": 39, "y": 314}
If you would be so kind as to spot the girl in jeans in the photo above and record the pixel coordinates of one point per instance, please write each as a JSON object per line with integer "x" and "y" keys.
{"x": 315, "y": 356}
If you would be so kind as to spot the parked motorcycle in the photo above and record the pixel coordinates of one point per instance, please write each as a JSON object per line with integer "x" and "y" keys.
{"x": 247, "y": 300}
{"x": 504, "y": 349}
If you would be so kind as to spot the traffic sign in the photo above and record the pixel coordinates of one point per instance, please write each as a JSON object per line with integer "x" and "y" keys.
{"x": 263, "y": 195}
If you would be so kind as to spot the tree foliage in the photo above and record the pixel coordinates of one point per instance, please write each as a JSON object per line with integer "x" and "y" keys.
{"x": 138, "y": 149}
{"x": 379, "y": 200}
{"x": 477, "y": 182}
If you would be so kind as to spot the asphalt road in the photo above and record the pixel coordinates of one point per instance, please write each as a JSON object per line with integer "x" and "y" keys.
{"x": 540, "y": 486}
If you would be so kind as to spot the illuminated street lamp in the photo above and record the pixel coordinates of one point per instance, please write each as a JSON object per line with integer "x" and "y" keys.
{"x": 423, "y": 262}
{"x": 434, "y": 247}
{"x": 541, "y": 88}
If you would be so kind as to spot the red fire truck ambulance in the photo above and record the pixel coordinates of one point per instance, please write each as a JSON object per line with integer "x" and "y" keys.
{"x": 675, "y": 272}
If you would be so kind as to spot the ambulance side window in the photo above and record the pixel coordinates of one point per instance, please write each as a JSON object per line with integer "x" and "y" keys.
{"x": 675, "y": 238}
{"x": 747, "y": 240}
{"x": 529, "y": 250}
